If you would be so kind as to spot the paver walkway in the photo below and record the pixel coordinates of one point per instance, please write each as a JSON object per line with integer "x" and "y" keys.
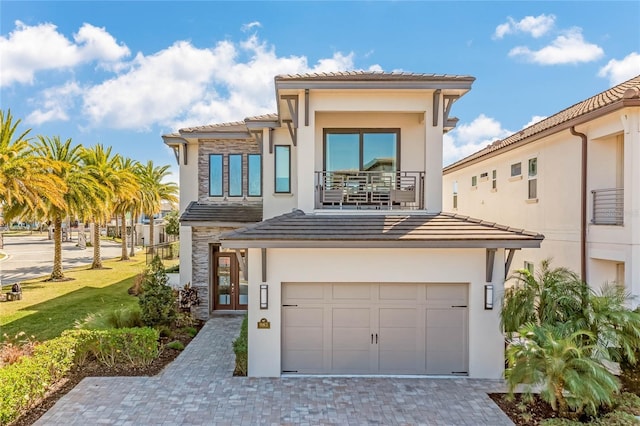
{"x": 198, "y": 389}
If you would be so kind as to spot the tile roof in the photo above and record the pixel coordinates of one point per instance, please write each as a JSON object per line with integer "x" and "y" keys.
{"x": 264, "y": 117}
{"x": 372, "y": 75}
{"x": 295, "y": 229}
{"x": 235, "y": 126}
{"x": 230, "y": 213}
{"x": 629, "y": 90}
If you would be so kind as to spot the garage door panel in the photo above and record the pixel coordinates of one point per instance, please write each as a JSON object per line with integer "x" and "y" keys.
{"x": 304, "y": 317}
{"x": 307, "y": 362}
{"x": 447, "y": 294}
{"x": 408, "y": 292}
{"x": 351, "y": 317}
{"x": 398, "y": 317}
{"x": 446, "y": 341}
{"x": 349, "y": 291}
{"x": 303, "y": 291}
{"x": 445, "y": 362}
{"x": 399, "y": 362}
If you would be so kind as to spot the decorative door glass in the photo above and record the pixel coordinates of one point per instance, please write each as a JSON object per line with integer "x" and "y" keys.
{"x": 224, "y": 280}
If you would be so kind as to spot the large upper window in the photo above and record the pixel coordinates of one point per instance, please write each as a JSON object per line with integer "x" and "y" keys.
{"x": 235, "y": 175}
{"x": 255, "y": 175}
{"x": 215, "y": 175}
{"x": 352, "y": 150}
{"x": 283, "y": 168}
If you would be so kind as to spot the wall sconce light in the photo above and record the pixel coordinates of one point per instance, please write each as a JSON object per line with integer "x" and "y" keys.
{"x": 488, "y": 296}
{"x": 264, "y": 296}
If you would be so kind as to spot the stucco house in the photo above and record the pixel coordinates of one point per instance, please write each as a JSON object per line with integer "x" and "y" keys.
{"x": 338, "y": 247}
{"x": 575, "y": 177}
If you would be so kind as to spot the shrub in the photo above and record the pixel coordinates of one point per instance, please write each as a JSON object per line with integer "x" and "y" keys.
{"x": 117, "y": 318}
{"x": 136, "y": 288}
{"x": 12, "y": 349}
{"x": 22, "y": 384}
{"x": 628, "y": 403}
{"x": 617, "y": 418}
{"x": 157, "y": 302}
{"x": 185, "y": 319}
{"x": 560, "y": 422}
{"x": 191, "y": 331}
{"x": 241, "y": 349}
{"x": 176, "y": 344}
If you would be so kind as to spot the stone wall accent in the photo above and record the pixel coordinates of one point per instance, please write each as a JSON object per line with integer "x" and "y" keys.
{"x": 201, "y": 239}
{"x": 223, "y": 146}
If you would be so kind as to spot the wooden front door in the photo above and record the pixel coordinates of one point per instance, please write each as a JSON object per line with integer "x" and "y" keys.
{"x": 228, "y": 292}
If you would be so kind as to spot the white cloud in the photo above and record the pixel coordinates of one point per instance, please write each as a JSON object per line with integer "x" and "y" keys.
{"x": 618, "y": 71}
{"x": 466, "y": 139}
{"x": 29, "y": 49}
{"x": 251, "y": 25}
{"x": 536, "y": 26}
{"x": 568, "y": 48}
{"x": 55, "y": 103}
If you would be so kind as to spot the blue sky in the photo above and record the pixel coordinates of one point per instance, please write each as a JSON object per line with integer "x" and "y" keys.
{"x": 124, "y": 73}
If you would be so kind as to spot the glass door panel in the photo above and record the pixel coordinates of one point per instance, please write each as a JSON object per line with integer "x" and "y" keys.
{"x": 342, "y": 152}
{"x": 243, "y": 294}
{"x": 223, "y": 291}
{"x": 379, "y": 152}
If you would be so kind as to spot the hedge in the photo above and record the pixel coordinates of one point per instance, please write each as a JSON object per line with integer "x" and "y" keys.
{"x": 23, "y": 383}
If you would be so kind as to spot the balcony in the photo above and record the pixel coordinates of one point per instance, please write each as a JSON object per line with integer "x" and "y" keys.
{"x": 379, "y": 190}
{"x": 608, "y": 206}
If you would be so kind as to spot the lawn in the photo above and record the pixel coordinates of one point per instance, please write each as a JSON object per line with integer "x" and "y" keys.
{"x": 49, "y": 308}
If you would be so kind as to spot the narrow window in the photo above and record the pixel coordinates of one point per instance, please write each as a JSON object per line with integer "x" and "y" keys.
{"x": 474, "y": 180}
{"x": 455, "y": 195}
{"x": 533, "y": 181}
{"x": 516, "y": 169}
{"x": 215, "y": 175}
{"x": 283, "y": 168}
{"x": 484, "y": 176}
{"x": 235, "y": 175}
{"x": 494, "y": 179}
{"x": 528, "y": 266}
{"x": 255, "y": 175}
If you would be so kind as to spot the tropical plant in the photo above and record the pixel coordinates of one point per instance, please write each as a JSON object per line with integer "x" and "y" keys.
{"x": 157, "y": 302}
{"x": 556, "y": 359}
{"x": 153, "y": 191}
{"x": 25, "y": 180}
{"x": 81, "y": 190}
{"x": 125, "y": 198}
{"x": 172, "y": 224}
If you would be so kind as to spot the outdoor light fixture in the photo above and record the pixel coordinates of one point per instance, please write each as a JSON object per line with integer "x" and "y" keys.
{"x": 488, "y": 296}
{"x": 264, "y": 296}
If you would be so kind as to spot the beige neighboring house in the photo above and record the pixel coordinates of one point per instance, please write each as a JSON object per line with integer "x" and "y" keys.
{"x": 348, "y": 264}
{"x": 575, "y": 177}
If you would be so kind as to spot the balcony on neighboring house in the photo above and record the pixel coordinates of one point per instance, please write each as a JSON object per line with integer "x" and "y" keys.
{"x": 608, "y": 206}
{"x": 376, "y": 190}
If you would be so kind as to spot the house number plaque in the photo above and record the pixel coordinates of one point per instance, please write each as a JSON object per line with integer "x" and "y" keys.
{"x": 263, "y": 323}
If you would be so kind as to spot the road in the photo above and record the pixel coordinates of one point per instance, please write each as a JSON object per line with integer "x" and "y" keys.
{"x": 31, "y": 256}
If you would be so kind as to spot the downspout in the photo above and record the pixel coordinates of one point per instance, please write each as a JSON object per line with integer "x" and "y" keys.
{"x": 583, "y": 205}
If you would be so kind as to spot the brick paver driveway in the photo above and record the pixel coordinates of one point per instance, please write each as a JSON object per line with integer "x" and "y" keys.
{"x": 198, "y": 389}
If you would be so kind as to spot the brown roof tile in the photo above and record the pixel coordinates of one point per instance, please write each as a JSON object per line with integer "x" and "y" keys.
{"x": 416, "y": 230}
{"x": 229, "y": 213}
{"x": 372, "y": 75}
{"x": 630, "y": 89}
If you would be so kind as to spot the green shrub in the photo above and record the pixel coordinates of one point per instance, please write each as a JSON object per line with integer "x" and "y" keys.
{"x": 157, "y": 302}
{"x": 617, "y": 418}
{"x": 133, "y": 346}
{"x": 628, "y": 403}
{"x": 241, "y": 349}
{"x": 176, "y": 344}
{"x": 22, "y": 384}
{"x": 560, "y": 422}
{"x": 117, "y": 318}
{"x": 191, "y": 331}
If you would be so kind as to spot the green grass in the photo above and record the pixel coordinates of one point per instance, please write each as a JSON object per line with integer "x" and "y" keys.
{"x": 49, "y": 308}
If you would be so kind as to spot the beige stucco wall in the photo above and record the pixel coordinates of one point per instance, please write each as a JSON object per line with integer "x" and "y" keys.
{"x": 486, "y": 343}
{"x": 557, "y": 212}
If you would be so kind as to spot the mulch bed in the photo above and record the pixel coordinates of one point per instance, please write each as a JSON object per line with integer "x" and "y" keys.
{"x": 521, "y": 413}
{"x": 94, "y": 369}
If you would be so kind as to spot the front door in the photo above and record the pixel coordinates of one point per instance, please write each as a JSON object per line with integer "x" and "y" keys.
{"x": 229, "y": 292}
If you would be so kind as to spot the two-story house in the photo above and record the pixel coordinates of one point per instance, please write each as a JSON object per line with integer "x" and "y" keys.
{"x": 575, "y": 177}
{"x": 354, "y": 268}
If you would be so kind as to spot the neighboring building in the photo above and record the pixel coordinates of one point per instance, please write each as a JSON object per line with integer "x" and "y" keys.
{"x": 354, "y": 269}
{"x": 575, "y": 177}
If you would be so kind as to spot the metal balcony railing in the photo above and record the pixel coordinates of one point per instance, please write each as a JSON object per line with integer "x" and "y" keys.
{"x": 370, "y": 190}
{"x": 608, "y": 206}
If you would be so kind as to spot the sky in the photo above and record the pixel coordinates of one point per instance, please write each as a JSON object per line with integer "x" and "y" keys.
{"x": 124, "y": 73}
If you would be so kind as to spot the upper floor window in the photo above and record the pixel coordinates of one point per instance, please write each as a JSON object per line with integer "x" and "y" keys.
{"x": 282, "y": 154}
{"x": 474, "y": 181}
{"x": 235, "y": 175}
{"x": 494, "y": 179}
{"x": 533, "y": 181}
{"x": 352, "y": 150}
{"x": 254, "y": 173}
{"x": 215, "y": 175}
{"x": 455, "y": 194}
{"x": 516, "y": 169}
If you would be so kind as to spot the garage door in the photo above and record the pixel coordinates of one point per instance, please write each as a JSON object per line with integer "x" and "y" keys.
{"x": 374, "y": 328}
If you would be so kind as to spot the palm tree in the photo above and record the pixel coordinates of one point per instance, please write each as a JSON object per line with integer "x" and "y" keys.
{"x": 153, "y": 191}
{"x": 125, "y": 196}
{"x": 554, "y": 358}
{"x": 25, "y": 180}
{"x": 81, "y": 190}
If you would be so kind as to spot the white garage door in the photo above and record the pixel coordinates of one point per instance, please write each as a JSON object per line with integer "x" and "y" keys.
{"x": 374, "y": 328}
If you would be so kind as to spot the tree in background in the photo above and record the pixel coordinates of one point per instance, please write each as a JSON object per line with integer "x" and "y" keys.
{"x": 153, "y": 191}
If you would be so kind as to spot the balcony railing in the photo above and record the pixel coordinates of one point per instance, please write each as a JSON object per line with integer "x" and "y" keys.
{"x": 402, "y": 190}
{"x": 608, "y": 206}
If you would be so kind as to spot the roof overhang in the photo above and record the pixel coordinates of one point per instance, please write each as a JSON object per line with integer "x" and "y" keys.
{"x": 358, "y": 244}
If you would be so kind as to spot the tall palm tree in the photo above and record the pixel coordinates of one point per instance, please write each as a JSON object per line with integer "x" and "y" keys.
{"x": 81, "y": 190}
{"x": 125, "y": 196}
{"x": 25, "y": 180}
{"x": 153, "y": 191}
